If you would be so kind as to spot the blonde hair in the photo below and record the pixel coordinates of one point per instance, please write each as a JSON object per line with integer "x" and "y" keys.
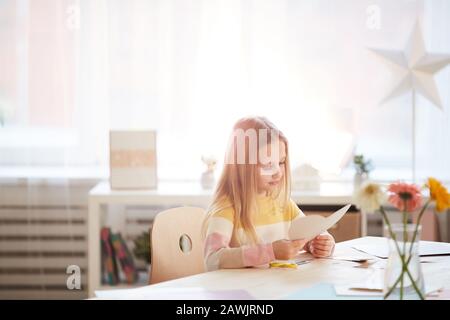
{"x": 237, "y": 185}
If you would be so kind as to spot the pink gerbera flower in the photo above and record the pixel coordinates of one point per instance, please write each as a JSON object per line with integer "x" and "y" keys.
{"x": 404, "y": 196}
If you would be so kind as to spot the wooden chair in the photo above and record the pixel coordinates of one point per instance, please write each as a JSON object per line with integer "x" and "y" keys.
{"x": 172, "y": 231}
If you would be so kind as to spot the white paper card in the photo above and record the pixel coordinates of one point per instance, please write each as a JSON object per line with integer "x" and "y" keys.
{"x": 427, "y": 248}
{"x": 311, "y": 226}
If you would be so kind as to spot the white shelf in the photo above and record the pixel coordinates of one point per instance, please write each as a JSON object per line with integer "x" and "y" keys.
{"x": 142, "y": 281}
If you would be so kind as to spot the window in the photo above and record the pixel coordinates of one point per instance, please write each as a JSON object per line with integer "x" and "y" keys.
{"x": 71, "y": 70}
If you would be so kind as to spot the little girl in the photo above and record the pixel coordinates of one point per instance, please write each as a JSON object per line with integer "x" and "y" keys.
{"x": 248, "y": 221}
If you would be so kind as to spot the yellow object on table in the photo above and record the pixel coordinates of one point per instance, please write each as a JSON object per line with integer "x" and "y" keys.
{"x": 277, "y": 264}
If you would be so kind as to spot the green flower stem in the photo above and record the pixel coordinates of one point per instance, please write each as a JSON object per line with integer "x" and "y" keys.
{"x": 418, "y": 224}
{"x": 405, "y": 236}
{"x": 404, "y": 269}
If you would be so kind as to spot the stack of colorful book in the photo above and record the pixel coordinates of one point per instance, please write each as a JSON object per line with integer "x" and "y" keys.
{"x": 115, "y": 256}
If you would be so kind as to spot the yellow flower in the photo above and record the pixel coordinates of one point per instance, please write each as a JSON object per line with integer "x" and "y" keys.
{"x": 439, "y": 194}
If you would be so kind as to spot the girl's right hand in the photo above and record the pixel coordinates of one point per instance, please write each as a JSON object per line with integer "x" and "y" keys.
{"x": 287, "y": 249}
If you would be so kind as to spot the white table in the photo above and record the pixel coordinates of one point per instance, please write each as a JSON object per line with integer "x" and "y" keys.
{"x": 265, "y": 283}
{"x": 173, "y": 194}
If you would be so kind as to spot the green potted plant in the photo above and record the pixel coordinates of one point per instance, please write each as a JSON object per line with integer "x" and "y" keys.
{"x": 363, "y": 168}
{"x": 142, "y": 247}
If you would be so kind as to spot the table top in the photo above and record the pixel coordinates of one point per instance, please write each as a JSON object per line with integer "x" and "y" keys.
{"x": 277, "y": 283}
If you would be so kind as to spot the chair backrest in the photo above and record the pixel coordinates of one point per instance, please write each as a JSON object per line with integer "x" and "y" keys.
{"x": 172, "y": 229}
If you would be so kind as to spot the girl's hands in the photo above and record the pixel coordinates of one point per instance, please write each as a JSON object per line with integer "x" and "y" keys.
{"x": 321, "y": 246}
{"x": 287, "y": 249}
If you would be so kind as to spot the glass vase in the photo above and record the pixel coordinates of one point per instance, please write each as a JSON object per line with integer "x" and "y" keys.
{"x": 403, "y": 279}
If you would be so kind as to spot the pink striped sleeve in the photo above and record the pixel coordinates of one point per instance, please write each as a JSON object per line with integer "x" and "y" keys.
{"x": 258, "y": 254}
{"x": 218, "y": 254}
{"x": 214, "y": 242}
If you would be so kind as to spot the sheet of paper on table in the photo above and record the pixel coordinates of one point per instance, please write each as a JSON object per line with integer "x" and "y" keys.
{"x": 381, "y": 248}
{"x": 352, "y": 258}
{"x": 359, "y": 289}
{"x": 373, "y": 286}
{"x": 311, "y": 226}
{"x": 325, "y": 291}
{"x": 440, "y": 295}
{"x": 193, "y": 293}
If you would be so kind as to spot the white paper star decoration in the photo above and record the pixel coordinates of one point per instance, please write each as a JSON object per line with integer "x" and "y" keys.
{"x": 416, "y": 68}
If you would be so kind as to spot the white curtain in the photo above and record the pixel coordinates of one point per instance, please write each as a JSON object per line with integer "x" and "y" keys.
{"x": 190, "y": 68}
{"x": 433, "y": 125}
